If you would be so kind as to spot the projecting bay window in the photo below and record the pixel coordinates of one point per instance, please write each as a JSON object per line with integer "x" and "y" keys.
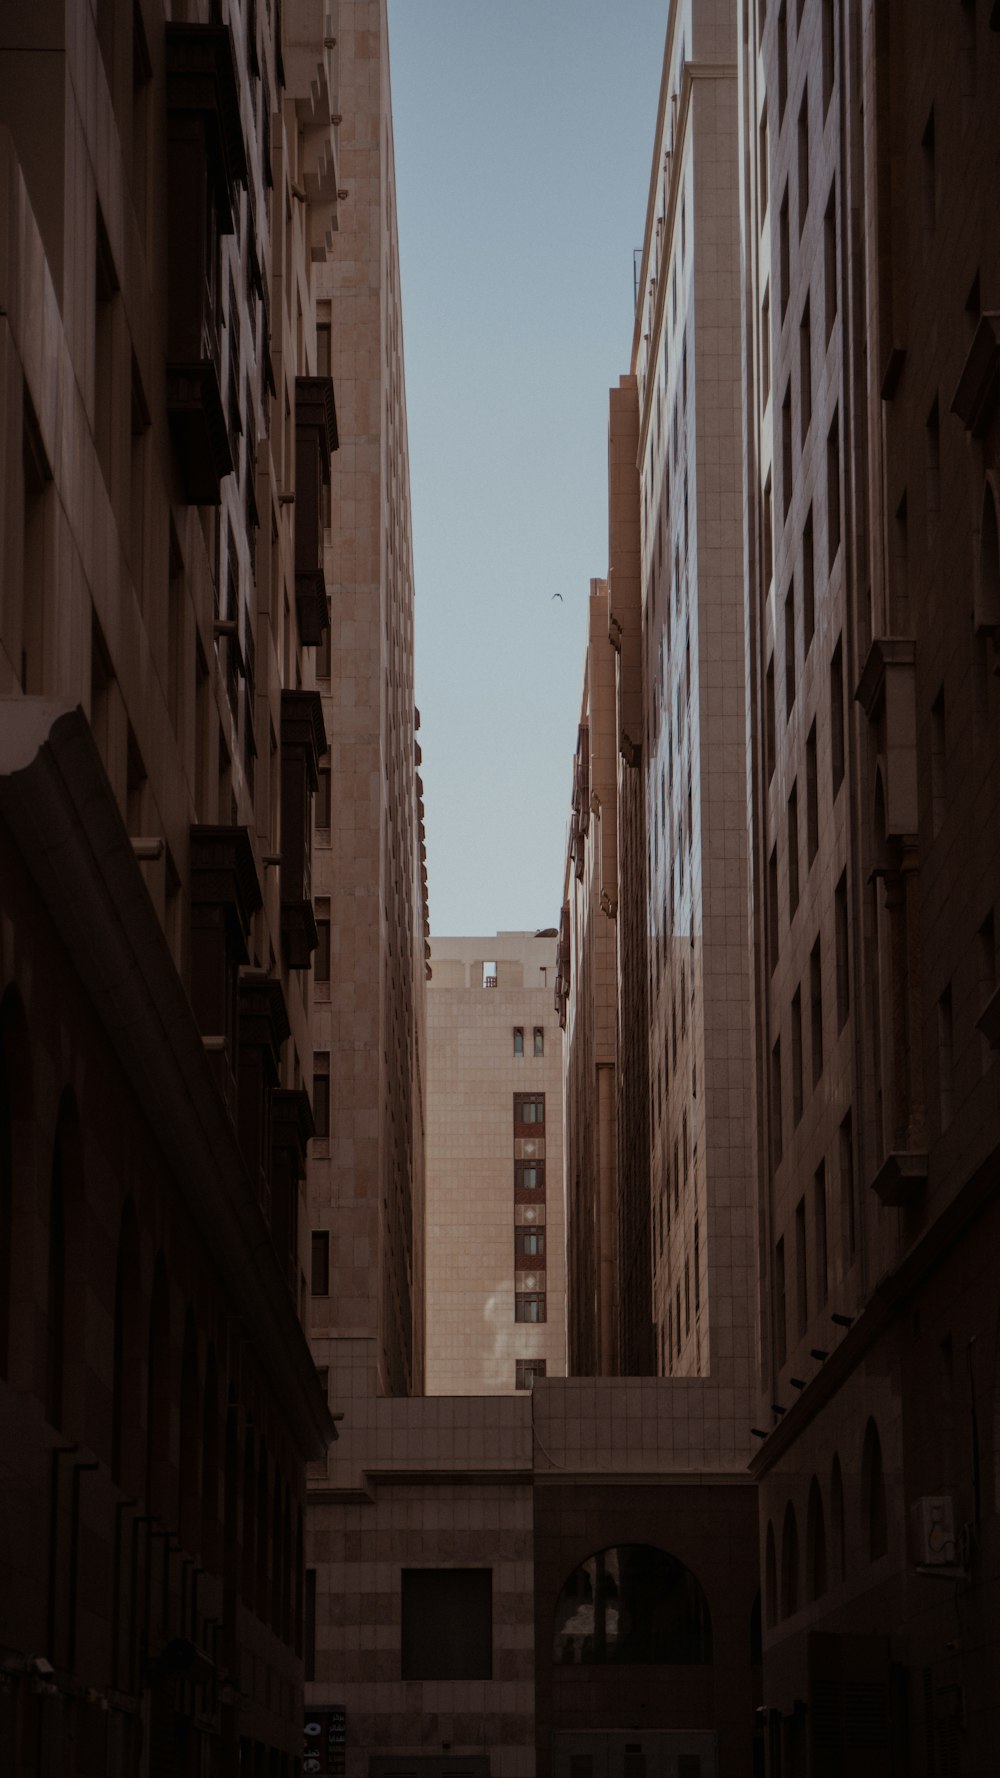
{"x": 303, "y": 739}
{"x": 206, "y": 159}
{"x": 315, "y": 439}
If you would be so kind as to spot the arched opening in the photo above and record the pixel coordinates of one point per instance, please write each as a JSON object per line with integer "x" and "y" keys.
{"x": 770, "y": 1579}
{"x": 188, "y": 1475}
{"x": 65, "y": 1266}
{"x": 815, "y": 1543}
{"x": 249, "y": 1519}
{"x": 126, "y": 1386}
{"x": 263, "y": 1533}
{"x": 15, "y": 1152}
{"x": 158, "y": 1396}
{"x": 838, "y": 1529}
{"x": 210, "y": 1468}
{"x": 874, "y": 1502}
{"x": 789, "y": 1563}
{"x": 632, "y": 1604}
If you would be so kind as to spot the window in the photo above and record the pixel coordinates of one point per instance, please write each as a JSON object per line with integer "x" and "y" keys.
{"x": 310, "y": 1624}
{"x": 819, "y": 1235}
{"x": 830, "y": 259}
{"x": 782, "y": 60}
{"x": 843, "y": 959}
{"x": 772, "y": 905}
{"x": 780, "y": 1322}
{"x": 833, "y": 489}
{"x": 321, "y": 1093}
{"x": 837, "y": 717}
{"x": 765, "y": 344}
{"x": 526, "y": 1370}
{"x": 529, "y": 1176}
{"x": 847, "y": 1207}
{"x": 539, "y": 1041}
{"x": 801, "y": 1274}
{"x": 939, "y": 777}
{"x": 769, "y": 735}
{"x": 767, "y": 521}
{"x": 816, "y": 1011}
{"x": 321, "y": 962}
{"x": 929, "y": 174}
{"x": 529, "y": 1305}
{"x": 323, "y": 795}
{"x": 519, "y": 1040}
{"x": 812, "y": 797}
{"x": 776, "y": 1101}
{"x": 490, "y": 974}
{"x": 828, "y": 53}
{"x": 447, "y": 1623}
{"x": 529, "y": 1243}
{"x": 793, "y": 852}
{"x": 320, "y": 1262}
{"x": 786, "y": 449}
{"x": 783, "y": 252}
{"x": 803, "y": 144}
{"x": 873, "y": 1482}
{"x": 529, "y": 1109}
{"x": 789, "y": 650}
{"x": 762, "y": 161}
{"x": 808, "y": 584}
{"x": 797, "y": 1056}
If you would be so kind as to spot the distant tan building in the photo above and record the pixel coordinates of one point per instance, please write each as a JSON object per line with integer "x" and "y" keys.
{"x": 495, "y": 1267}
{"x": 366, "y": 1175}
{"x": 586, "y": 1001}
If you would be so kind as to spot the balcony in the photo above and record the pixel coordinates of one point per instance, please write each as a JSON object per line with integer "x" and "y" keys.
{"x": 303, "y": 740}
{"x": 315, "y": 440}
{"x": 206, "y": 160}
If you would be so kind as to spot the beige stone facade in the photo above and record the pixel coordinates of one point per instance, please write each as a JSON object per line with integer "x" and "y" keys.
{"x": 495, "y": 1269}
{"x": 366, "y": 1176}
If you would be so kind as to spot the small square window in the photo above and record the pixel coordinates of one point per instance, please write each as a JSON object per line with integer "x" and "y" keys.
{"x": 526, "y": 1370}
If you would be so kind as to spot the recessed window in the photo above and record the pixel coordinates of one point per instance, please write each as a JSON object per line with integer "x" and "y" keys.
{"x": 539, "y": 1041}
{"x": 529, "y": 1305}
{"x": 529, "y": 1244}
{"x": 526, "y": 1370}
{"x": 447, "y": 1623}
{"x": 529, "y": 1108}
{"x": 490, "y": 974}
{"x": 321, "y": 1262}
{"x": 604, "y": 1614}
{"x": 321, "y": 961}
{"x": 529, "y": 1176}
{"x": 518, "y": 1040}
{"x": 321, "y": 1093}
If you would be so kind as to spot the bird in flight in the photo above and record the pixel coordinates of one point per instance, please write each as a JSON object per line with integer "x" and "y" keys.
{"x": 557, "y": 596}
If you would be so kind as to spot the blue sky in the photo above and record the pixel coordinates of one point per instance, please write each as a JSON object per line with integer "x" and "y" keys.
{"x": 523, "y": 131}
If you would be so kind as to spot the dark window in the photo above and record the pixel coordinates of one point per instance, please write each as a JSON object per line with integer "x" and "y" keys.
{"x": 321, "y": 1094}
{"x": 847, "y": 1208}
{"x": 526, "y": 1370}
{"x": 321, "y": 963}
{"x": 776, "y": 1142}
{"x": 819, "y": 1227}
{"x": 772, "y": 905}
{"x": 321, "y": 1262}
{"x": 843, "y": 957}
{"x": 518, "y": 1040}
{"x": 310, "y": 1628}
{"x": 529, "y": 1108}
{"x": 837, "y": 717}
{"x": 793, "y": 852}
{"x": 529, "y": 1305}
{"x": 876, "y": 1516}
{"x": 529, "y": 1243}
{"x": 833, "y": 489}
{"x": 632, "y": 1604}
{"x": 529, "y": 1176}
{"x": 447, "y": 1623}
{"x": 796, "y": 1056}
{"x": 769, "y": 742}
{"x": 801, "y": 1274}
{"x": 780, "y": 1318}
{"x": 812, "y": 796}
{"x": 783, "y": 251}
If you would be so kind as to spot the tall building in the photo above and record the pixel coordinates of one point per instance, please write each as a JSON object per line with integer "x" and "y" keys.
{"x": 366, "y": 1176}
{"x": 495, "y": 1232}
{"x": 166, "y": 438}
{"x": 586, "y": 1003}
{"x": 684, "y": 719}
{"x": 871, "y": 286}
